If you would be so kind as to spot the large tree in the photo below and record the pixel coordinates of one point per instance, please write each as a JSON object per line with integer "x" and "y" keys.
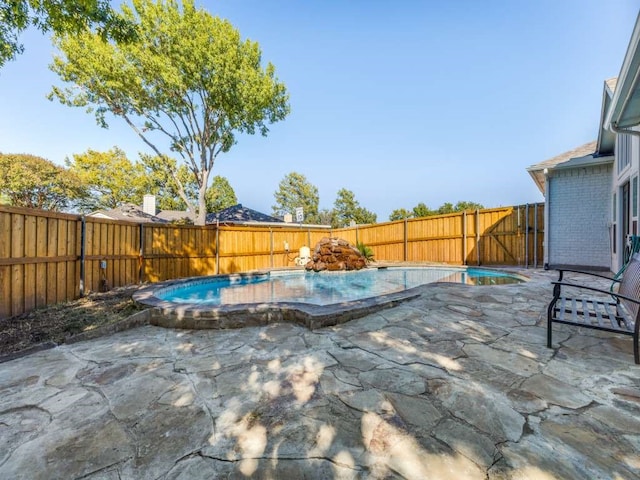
{"x": 35, "y": 182}
{"x": 187, "y": 78}
{"x": 161, "y": 173}
{"x": 110, "y": 177}
{"x": 295, "y": 191}
{"x": 162, "y": 184}
{"x": 326, "y": 216}
{"x": 220, "y": 195}
{"x": 61, "y": 16}
{"x": 347, "y": 209}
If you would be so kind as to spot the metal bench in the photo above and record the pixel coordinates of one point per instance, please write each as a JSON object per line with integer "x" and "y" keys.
{"x": 616, "y": 312}
{"x": 631, "y": 247}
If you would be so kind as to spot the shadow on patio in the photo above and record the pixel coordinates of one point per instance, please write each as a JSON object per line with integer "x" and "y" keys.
{"x": 455, "y": 384}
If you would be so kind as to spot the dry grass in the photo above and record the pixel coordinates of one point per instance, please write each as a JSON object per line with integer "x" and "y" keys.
{"x": 55, "y": 323}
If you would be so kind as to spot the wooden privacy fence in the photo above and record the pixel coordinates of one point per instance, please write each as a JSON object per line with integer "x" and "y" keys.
{"x": 48, "y": 257}
{"x": 497, "y": 236}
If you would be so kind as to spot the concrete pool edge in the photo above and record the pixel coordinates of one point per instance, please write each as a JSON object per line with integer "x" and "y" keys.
{"x": 199, "y": 317}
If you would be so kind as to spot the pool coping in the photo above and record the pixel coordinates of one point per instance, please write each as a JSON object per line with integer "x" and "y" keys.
{"x": 199, "y": 317}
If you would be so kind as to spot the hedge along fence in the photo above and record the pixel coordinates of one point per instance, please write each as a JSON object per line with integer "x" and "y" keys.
{"x": 48, "y": 257}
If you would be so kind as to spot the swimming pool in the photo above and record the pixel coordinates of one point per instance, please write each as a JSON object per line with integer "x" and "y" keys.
{"x": 310, "y": 298}
{"x": 324, "y": 288}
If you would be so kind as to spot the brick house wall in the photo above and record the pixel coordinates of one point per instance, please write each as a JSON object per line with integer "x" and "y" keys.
{"x": 579, "y": 209}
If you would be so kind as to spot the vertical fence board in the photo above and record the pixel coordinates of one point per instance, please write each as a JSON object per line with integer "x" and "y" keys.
{"x": 115, "y": 249}
{"x": 30, "y": 231}
{"x": 92, "y": 234}
{"x": 41, "y": 268}
{"x": 52, "y": 270}
{"x": 5, "y": 270}
{"x": 70, "y": 265}
{"x": 17, "y": 271}
{"x": 61, "y": 271}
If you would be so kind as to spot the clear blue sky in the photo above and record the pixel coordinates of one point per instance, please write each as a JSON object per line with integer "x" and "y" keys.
{"x": 399, "y": 102}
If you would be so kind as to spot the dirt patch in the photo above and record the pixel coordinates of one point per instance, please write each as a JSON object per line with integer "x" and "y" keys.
{"x": 55, "y": 323}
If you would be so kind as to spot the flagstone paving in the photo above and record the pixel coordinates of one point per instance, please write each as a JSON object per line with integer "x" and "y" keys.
{"x": 457, "y": 383}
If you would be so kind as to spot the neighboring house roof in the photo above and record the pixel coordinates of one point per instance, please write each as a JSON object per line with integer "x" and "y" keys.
{"x": 240, "y": 214}
{"x": 128, "y": 212}
{"x": 625, "y": 105}
{"x": 232, "y": 215}
{"x": 581, "y": 156}
{"x": 176, "y": 215}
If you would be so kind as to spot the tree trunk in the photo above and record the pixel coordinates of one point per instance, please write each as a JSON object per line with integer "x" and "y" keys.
{"x": 201, "y": 217}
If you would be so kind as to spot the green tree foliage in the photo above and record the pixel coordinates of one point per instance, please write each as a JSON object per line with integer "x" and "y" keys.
{"x": 161, "y": 174}
{"x": 466, "y": 206}
{"x": 110, "y": 178}
{"x": 458, "y": 207}
{"x": 326, "y": 216}
{"x": 421, "y": 210}
{"x": 347, "y": 209}
{"x": 187, "y": 78}
{"x": 445, "y": 208}
{"x": 60, "y": 16}
{"x": 295, "y": 191}
{"x": 34, "y": 182}
{"x": 400, "y": 214}
{"x": 220, "y": 195}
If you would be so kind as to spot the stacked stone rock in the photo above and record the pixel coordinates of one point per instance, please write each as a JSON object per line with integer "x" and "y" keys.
{"x": 335, "y": 254}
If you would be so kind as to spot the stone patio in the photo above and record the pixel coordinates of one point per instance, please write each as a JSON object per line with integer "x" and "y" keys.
{"x": 457, "y": 383}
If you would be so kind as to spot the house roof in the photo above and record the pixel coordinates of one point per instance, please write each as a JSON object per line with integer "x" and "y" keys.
{"x": 176, "y": 215}
{"x": 625, "y": 106}
{"x": 606, "y": 138}
{"x": 128, "y": 212}
{"x": 240, "y": 214}
{"x": 581, "y": 151}
{"x": 580, "y": 156}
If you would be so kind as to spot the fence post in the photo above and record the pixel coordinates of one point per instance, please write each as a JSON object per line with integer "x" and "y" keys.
{"x": 271, "y": 246}
{"x": 406, "y": 240}
{"x": 141, "y": 256}
{"x": 217, "y": 248}
{"x": 526, "y": 238}
{"x": 478, "y": 236}
{"x": 464, "y": 237}
{"x": 535, "y": 235}
{"x": 83, "y": 236}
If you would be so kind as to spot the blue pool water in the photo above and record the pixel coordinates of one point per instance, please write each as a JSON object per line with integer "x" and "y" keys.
{"x": 324, "y": 288}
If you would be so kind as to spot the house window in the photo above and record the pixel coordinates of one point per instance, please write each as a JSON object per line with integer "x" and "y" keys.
{"x": 623, "y": 151}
